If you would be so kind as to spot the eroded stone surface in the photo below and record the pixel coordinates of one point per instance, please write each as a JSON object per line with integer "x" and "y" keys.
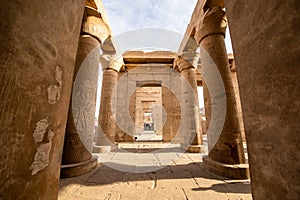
{"x": 40, "y": 130}
{"x": 41, "y": 158}
{"x": 267, "y": 61}
{"x": 54, "y": 90}
{"x": 35, "y": 38}
{"x": 43, "y": 137}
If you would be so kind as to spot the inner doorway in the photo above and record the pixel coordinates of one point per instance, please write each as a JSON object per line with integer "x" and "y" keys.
{"x": 148, "y": 113}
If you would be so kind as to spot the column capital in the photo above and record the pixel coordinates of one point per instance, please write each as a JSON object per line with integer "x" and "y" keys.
{"x": 181, "y": 64}
{"x": 111, "y": 62}
{"x": 214, "y": 22}
{"x": 93, "y": 24}
{"x": 191, "y": 55}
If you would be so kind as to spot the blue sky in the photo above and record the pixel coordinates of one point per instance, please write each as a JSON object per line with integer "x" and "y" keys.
{"x": 128, "y": 15}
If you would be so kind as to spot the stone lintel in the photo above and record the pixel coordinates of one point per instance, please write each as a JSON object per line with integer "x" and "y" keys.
{"x": 141, "y": 57}
{"x": 196, "y": 22}
{"x": 94, "y": 25}
{"x": 238, "y": 171}
{"x": 133, "y": 65}
{"x": 191, "y": 29}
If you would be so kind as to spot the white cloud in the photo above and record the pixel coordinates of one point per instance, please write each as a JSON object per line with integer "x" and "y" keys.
{"x": 174, "y": 15}
{"x": 127, "y": 15}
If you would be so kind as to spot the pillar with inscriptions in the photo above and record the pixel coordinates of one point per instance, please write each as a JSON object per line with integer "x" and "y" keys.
{"x": 77, "y": 158}
{"x": 190, "y": 106}
{"x": 226, "y": 156}
{"x": 106, "y": 133}
{"x": 36, "y": 71}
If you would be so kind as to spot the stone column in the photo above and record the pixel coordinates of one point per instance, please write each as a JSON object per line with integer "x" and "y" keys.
{"x": 176, "y": 86}
{"x": 77, "y": 158}
{"x": 122, "y": 96}
{"x": 191, "y": 122}
{"x": 207, "y": 105}
{"x": 268, "y": 73}
{"x": 237, "y": 94}
{"x": 106, "y": 133}
{"x": 36, "y": 70}
{"x": 226, "y": 156}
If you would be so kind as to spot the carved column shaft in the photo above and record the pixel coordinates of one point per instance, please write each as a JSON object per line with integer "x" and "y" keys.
{"x": 227, "y": 146}
{"x": 191, "y": 106}
{"x": 80, "y": 124}
{"x": 77, "y": 158}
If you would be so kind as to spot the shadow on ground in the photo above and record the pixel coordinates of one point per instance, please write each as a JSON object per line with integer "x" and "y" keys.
{"x": 191, "y": 175}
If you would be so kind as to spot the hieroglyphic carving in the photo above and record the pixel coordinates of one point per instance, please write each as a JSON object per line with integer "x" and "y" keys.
{"x": 84, "y": 94}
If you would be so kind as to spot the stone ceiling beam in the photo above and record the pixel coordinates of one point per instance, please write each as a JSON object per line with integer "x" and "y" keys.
{"x": 140, "y": 57}
{"x": 132, "y": 65}
{"x": 190, "y": 38}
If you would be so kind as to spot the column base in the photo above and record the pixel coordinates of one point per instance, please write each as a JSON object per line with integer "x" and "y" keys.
{"x": 104, "y": 149}
{"x": 78, "y": 169}
{"x": 239, "y": 171}
{"x": 194, "y": 148}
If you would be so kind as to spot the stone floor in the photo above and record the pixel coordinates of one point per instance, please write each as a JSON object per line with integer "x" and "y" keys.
{"x": 168, "y": 174}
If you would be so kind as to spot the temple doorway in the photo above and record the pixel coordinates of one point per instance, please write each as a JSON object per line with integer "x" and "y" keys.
{"x": 149, "y": 113}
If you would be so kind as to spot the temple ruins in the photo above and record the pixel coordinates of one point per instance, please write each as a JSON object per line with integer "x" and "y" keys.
{"x": 243, "y": 144}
